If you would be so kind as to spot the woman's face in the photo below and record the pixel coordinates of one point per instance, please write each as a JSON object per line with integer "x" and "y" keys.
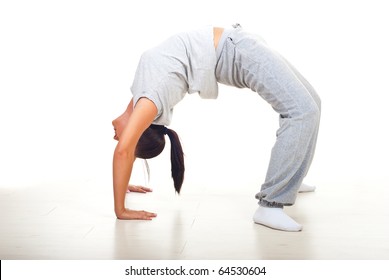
{"x": 120, "y": 122}
{"x": 118, "y": 125}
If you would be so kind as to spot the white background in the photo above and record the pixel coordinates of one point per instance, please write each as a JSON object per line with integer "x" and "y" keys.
{"x": 66, "y": 68}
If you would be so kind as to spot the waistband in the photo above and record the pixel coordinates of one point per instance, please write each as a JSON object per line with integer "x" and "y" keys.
{"x": 223, "y": 38}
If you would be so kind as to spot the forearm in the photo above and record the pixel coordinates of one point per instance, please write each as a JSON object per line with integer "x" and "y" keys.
{"x": 141, "y": 118}
{"x": 122, "y": 168}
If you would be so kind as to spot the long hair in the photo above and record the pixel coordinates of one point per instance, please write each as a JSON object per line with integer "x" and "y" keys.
{"x": 152, "y": 143}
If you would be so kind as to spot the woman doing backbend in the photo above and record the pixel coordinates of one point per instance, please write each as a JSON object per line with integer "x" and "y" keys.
{"x": 196, "y": 61}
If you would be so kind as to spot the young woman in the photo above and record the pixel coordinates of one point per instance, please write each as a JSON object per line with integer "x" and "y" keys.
{"x": 196, "y": 61}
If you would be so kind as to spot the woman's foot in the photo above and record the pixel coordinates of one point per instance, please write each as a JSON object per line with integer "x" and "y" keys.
{"x": 306, "y": 188}
{"x": 275, "y": 218}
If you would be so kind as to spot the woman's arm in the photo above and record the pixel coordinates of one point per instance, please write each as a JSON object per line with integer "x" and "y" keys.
{"x": 142, "y": 116}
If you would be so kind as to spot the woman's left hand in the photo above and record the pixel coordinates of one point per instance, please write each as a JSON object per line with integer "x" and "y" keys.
{"x": 138, "y": 189}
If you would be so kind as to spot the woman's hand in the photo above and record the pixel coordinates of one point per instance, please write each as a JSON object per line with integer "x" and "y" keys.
{"x": 128, "y": 214}
{"x": 138, "y": 189}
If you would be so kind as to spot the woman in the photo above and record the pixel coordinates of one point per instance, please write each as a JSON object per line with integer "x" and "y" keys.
{"x": 195, "y": 62}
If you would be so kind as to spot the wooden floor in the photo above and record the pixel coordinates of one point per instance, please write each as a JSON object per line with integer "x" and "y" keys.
{"x": 75, "y": 220}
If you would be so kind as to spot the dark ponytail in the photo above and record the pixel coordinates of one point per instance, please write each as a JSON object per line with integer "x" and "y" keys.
{"x": 152, "y": 143}
{"x": 177, "y": 159}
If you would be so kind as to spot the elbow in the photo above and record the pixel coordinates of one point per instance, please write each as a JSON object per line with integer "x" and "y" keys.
{"x": 124, "y": 153}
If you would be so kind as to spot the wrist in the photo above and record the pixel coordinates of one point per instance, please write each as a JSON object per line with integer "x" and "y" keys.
{"x": 119, "y": 212}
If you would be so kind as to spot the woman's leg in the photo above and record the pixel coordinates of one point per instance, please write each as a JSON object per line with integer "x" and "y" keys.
{"x": 317, "y": 100}
{"x": 246, "y": 61}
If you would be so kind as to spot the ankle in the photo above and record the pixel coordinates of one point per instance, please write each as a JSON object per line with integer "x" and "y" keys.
{"x": 275, "y": 218}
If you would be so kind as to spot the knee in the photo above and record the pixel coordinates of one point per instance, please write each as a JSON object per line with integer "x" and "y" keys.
{"x": 318, "y": 103}
{"x": 311, "y": 113}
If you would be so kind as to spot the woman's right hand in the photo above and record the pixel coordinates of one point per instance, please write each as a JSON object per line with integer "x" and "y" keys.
{"x": 128, "y": 214}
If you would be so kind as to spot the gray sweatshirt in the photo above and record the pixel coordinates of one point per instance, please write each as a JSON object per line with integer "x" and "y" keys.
{"x": 184, "y": 63}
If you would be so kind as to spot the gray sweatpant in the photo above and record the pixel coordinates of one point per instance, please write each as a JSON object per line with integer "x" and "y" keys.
{"x": 246, "y": 61}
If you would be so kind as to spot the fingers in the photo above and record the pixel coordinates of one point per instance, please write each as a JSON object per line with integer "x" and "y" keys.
{"x": 142, "y": 215}
{"x": 139, "y": 189}
{"x": 147, "y": 215}
{"x": 136, "y": 215}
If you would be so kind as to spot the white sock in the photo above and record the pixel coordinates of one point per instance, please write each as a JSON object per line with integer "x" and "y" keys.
{"x": 306, "y": 188}
{"x": 275, "y": 218}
